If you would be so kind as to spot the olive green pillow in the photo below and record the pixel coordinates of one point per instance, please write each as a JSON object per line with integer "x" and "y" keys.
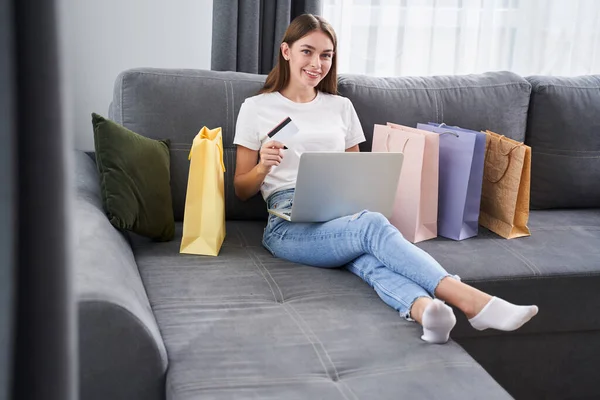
{"x": 135, "y": 180}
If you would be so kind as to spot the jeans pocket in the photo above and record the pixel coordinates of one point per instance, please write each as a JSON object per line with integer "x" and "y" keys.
{"x": 278, "y": 205}
{"x": 282, "y": 204}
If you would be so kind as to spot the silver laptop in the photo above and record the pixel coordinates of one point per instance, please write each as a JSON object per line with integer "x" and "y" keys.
{"x": 333, "y": 185}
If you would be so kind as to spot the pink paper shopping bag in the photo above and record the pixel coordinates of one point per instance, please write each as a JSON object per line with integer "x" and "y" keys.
{"x": 416, "y": 204}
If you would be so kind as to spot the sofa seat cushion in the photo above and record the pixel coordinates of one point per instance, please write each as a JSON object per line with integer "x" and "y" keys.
{"x": 557, "y": 267}
{"x": 247, "y": 325}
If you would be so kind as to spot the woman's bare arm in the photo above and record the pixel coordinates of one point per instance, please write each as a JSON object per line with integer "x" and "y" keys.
{"x": 250, "y": 172}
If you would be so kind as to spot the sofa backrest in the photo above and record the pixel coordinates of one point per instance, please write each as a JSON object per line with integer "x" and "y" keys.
{"x": 497, "y": 101}
{"x": 563, "y": 131}
{"x": 176, "y": 104}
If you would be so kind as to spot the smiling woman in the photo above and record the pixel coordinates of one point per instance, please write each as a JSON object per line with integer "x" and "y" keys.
{"x": 303, "y": 88}
{"x": 306, "y": 59}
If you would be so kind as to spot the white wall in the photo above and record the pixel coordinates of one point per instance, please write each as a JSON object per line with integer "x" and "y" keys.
{"x": 101, "y": 38}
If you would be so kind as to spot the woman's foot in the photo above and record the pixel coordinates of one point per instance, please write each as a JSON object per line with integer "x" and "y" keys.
{"x": 502, "y": 315}
{"x": 438, "y": 320}
{"x": 483, "y": 310}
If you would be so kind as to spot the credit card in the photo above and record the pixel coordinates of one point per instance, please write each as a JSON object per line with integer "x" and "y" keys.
{"x": 284, "y": 131}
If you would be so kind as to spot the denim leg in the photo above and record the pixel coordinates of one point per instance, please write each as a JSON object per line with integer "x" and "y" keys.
{"x": 394, "y": 289}
{"x": 337, "y": 242}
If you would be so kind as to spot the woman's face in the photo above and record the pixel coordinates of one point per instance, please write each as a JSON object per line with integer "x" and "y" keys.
{"x": 309, "y": 58}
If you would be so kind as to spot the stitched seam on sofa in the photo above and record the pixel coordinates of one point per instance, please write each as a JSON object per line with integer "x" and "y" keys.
{"x": 565, "y": 150}
{"x": 329, "y": 294}
{"x": 231, "y": 122}
{"x": 164, "y": 362}
{"x": 325, "y": 369}
{"x": 358, "y": 373}
{"x": 227, "y": 194}
{"x": 265, "y": 269}
{"x": 528, "y": 262}
{"x": 441, "y": 111}
{"x": 437, "y": 115}
{"x": 322, "y": 346}
{"x": 442, "y": 88}
{"x": 191, "y": 76}
{"x": 249, "y": 302}
{"x": 540, "y": 277}
{"x": 243, "y": 382}
{"x": 291, "y": 307}
{"x": 566, "y": 228}
{"x": 551, "y": 85}
{"x": 262, "y": 273}
{"x": 537, "y": 153}
{"x": 226, "y": 106}
{"x": 231, "y": 160}
{"x": 260, "y": 266}
{"x": 266, "y": 279}
{"x": 270, "y": 276}
{"x": 241, "y": 236}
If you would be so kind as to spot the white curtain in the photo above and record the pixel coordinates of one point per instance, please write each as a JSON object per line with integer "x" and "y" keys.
{"x": 449, "y": 37}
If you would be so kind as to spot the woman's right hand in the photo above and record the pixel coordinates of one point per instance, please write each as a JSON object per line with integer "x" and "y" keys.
{"x": 271, "y": 154}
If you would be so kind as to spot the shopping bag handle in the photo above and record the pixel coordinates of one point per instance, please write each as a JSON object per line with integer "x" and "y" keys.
{"x": 387, "y": 143}
{"x": 450, "y": 133}
{"x": 219, "y": 145}
{"x": 443, "y": 124}
{"x": 508, "y": 154}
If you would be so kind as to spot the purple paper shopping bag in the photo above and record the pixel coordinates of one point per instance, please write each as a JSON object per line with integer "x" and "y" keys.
{"x": 462, "y": 154}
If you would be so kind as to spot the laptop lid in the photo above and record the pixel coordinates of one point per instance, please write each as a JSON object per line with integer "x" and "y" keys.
{"x": 336, "y": 184}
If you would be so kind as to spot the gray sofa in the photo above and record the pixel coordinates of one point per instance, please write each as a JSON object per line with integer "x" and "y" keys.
{"x": 154, "y": 323}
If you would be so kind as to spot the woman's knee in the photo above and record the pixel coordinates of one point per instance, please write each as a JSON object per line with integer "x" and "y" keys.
{"x": 370, "y": 217}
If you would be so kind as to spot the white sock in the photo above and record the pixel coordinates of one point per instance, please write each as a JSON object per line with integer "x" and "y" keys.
{"x": 438, "y": 320}
{"x": 502, "y": 315}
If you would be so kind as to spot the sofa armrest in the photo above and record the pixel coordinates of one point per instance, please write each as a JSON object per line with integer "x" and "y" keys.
{"x": 122, "y": 354}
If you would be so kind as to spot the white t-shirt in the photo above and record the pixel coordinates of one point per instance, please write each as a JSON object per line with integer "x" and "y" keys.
{"x": 327, "y": 123}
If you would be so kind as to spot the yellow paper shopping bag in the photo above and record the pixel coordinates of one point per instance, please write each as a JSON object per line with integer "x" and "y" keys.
{"x": 204, "y": 217}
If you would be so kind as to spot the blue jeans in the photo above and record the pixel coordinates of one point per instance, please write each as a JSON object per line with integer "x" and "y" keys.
{"x": 366, "y": 244}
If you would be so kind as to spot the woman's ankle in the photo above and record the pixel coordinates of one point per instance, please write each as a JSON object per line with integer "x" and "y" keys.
{"x": 418, "y": 307}
{"x": 475, "y": 306}
{"x": 464, "y": 297}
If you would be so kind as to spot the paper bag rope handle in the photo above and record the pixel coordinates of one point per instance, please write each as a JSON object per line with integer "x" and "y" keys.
{"x": 388, "y": 138}
{"x": 508, "y": 154}
{"x": 387, "y": 143}
{"x": 447, "y": 132}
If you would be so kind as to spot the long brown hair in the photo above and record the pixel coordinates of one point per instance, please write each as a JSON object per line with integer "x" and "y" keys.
{"x": 301, "y": 26}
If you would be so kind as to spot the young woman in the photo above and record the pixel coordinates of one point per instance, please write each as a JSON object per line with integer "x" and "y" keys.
{"x": 303, "y": 86}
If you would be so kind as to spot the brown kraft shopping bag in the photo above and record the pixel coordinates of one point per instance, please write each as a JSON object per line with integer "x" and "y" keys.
{"x": 506, "y": 182}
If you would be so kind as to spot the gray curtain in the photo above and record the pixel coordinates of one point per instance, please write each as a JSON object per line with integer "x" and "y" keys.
{"x": 36, "y": 309}
{"x": 7, "y": 203}
{"x": 246, "y": 33}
